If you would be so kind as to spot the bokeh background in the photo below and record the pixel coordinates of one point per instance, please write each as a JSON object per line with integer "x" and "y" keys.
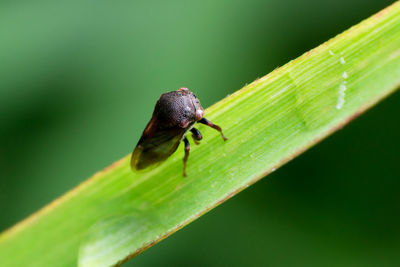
{"x": 78, "y": 83}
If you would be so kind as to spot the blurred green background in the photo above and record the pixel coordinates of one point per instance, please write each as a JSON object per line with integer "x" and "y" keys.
{"x": 78, "y": 83}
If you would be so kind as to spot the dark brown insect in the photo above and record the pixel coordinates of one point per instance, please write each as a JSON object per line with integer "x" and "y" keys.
{"x": 174, "y": 116}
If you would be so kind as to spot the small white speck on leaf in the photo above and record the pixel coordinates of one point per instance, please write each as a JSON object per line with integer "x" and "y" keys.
{"x": 280, "y": 91}
{"x": 345, "y": 76}
{"x": 341, "y": 95}
{"x": 330, "y": 52}
{"x": 342, "y": 61}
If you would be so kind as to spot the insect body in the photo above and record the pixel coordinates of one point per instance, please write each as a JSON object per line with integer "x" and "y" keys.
{"x": 174, "y": 116}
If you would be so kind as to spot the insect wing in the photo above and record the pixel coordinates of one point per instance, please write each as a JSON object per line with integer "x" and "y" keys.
{"x": 156, "y": 147}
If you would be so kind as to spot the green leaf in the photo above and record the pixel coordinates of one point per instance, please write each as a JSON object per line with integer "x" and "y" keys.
{"x": 116, "y": 214}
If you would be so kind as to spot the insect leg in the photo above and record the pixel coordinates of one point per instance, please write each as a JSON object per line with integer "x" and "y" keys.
{"x": 212, "y": 125}
{"x": 196, "y": 135}
{"x": 187, "y": 149}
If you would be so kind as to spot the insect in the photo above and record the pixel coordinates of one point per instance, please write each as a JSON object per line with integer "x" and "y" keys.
{"x": 173, "y": 117}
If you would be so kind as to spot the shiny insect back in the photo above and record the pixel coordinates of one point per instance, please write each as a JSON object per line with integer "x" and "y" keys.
{"x": 174, "y": 116}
